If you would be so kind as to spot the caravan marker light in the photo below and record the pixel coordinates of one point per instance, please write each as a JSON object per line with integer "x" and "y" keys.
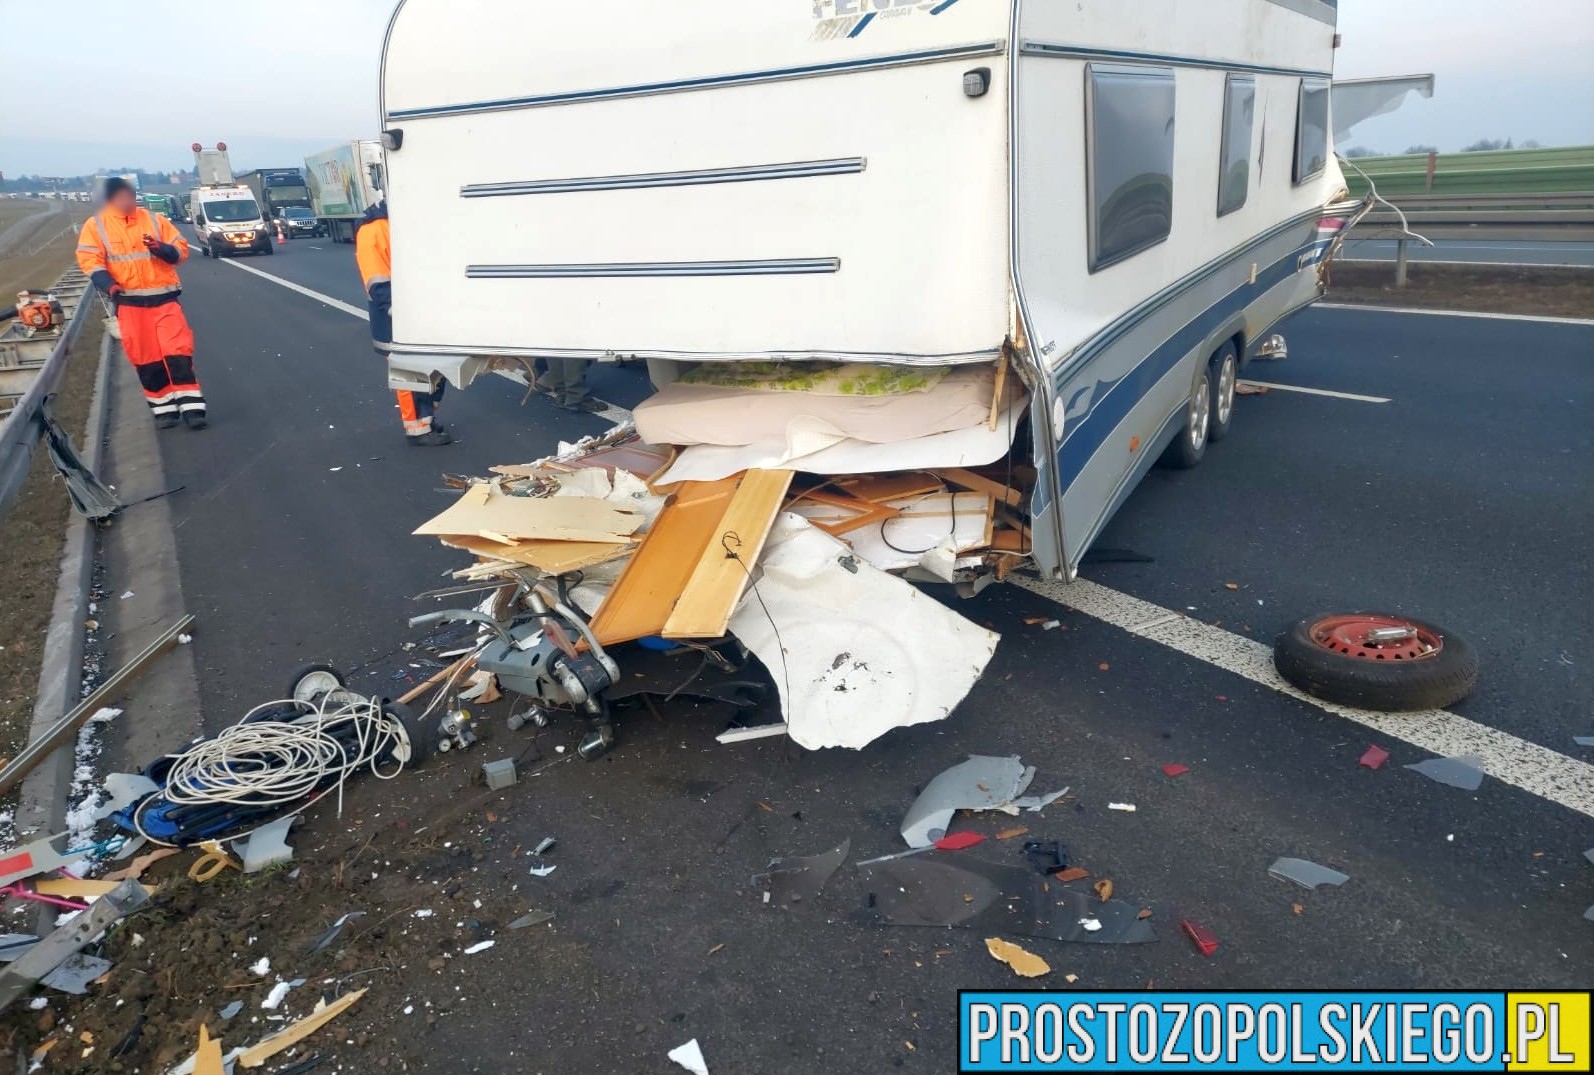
{"x": 976, "y": 82}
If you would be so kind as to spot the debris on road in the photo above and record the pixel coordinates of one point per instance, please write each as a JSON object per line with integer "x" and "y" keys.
{"x": 980, "y": 783}
{"x": 267, "y": 846}
{"x": 959, "y": 841}
{"x": 332, "y": 932}
{"x": 1024, "y": 964}
{"x": 1126, "y": 808}
{"x": 535, "y": 918}
{"x": 795, "y": 880}
{"x": 68, "y": 940}
{"x": 479, "y": 946}
{"x": 1583, "y": 740}
{"x": 940, "y": 889}
{"x": 1373, "y": 758}
{"x": 1046, "y": 856}
{"x": 1173, "y": 769}
{"x": 1205, "y": 940}
{"x": 1305, "y": 873}
{"x": 289, "y": 1036}
{"x": 1103, "y": 889}
{"x": 1464, "y": 771}
{"x": 499, "y": 774}
{"x": 690, "y": 1057}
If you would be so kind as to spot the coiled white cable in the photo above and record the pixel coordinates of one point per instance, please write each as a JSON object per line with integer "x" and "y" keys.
{"x": 276, "y": 763}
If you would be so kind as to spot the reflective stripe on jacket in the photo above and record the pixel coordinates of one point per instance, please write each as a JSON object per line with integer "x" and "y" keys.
{"x": 374, "y": 253}
{"x": 115, "y": 243}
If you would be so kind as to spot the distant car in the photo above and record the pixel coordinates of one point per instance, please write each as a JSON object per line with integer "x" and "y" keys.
{"x": 300, "y": 221}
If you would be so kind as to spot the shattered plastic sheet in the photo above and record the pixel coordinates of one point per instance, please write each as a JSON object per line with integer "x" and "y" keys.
{"x": 1305, "y": 873}
{"x": 793, "y": 881}
{"x": 981, "y": 783}
{"x": 1465, "y": 771}
{"x": 941, "y": 889}
{"x": 830, "y": 630}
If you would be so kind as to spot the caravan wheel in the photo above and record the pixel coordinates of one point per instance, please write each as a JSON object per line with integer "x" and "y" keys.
{"x": 1190, "y": 446}
{"x": 1225, "y": 375}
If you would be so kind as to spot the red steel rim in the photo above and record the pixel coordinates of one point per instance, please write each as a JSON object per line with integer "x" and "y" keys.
{"x": 1349, "y": 637}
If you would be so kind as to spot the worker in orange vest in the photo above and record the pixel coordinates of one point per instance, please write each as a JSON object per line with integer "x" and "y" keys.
{"x": 373, "y": 250}
{"x": 132, "y": 256}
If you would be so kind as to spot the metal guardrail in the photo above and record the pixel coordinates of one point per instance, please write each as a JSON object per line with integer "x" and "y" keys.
{"x": 45, "y": 356}
{"x": 1559, "y": 217}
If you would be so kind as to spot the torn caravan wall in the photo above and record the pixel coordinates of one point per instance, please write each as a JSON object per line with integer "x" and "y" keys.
{"x": 828, "y": 628}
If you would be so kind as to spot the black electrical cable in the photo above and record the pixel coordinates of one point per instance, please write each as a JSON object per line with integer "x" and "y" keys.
{"x": 752, "y": 584}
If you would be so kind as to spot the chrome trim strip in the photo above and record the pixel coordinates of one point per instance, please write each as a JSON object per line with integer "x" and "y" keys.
{"x": 1052, "y": 50}
{"x": 691, "y": 178}
{"x": 770, "y": 267}
{"x": 686, "y": 85}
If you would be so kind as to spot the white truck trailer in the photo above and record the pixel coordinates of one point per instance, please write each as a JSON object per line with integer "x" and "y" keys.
{"x": 345, "y": 181}
{"x": 1115, "y": 203}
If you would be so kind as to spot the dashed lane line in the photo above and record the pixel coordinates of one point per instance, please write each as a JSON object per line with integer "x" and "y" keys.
{"x": 611, "y": 412}
{"x": 1533, "y": 768}
{"x": 1371, "y": 309}
{"x": 1315, "y": 391}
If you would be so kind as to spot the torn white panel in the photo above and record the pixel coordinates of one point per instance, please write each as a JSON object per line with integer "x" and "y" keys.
{"x": 839, "y": 649}
{"x": 980, "y": 783}
{"x": 975, "y": 446}
{"x": 1358, "y": 99}
{"x": 690, "y": 1057}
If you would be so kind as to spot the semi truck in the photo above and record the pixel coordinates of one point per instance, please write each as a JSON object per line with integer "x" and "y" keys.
{"x": 344, "y": 182}
{"x": 168, "y": 205}
{"x": 226, "y": 216}
{"x": 277, "y": 188}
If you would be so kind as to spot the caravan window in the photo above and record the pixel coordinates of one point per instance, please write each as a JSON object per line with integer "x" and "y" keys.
{"x": 1311, "y": 129}
{"x": 1131, "y": 160}
{"x": 1239, "y": 116}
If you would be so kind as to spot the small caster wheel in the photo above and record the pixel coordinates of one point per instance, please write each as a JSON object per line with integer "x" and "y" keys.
{"x": 315, "y": 681}
{"x": 596, "y": 743}
{"x": 444, "y": 746}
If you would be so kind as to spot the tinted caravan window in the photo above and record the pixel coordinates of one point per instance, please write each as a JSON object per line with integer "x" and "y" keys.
{"x": 1311, "y": 129}
{"x": 1239, "y": 118}
{"x": 1130, "y": 160}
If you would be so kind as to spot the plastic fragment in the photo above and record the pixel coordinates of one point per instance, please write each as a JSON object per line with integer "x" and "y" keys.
{"x": 1036, "y": 803}
{"x": 1583, "y": 740}
{"x": 1090, "y": 925}
{"x": 980, "y": 783}
{"x": 1024, "y": 964}
{"x": 1373, "y": 758}
{"x": 1127, "y": 808}
{"x": 535, "y": 918}
{"x": 278, "y": 994}
{"x": 261, "y": 967}
{"x": 690, "y": 1057}
{"x": 1046, "y": 856}
{"x": 231, "y": 1011}
{"x": 1103, "y": 889}
{"x": 332, "y": 932}
{"x": 1206, "y": 941}
{"x": 267, "y": 846}
{"x": 793, "y": 881}
{"x": 1173, "y": 769}
{"x": 542, "y": 871}
{"x": 1464, "y": 771}
{"x": 479, "y": 946}
{"x": 1589, "y": 854}
{"x": 959, "y": 841}
{"x": 1305, "y": 873}
{"x": 1073, "y": 873}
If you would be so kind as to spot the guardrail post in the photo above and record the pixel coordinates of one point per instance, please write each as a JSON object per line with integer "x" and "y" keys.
{"x": 1400, "y": 262}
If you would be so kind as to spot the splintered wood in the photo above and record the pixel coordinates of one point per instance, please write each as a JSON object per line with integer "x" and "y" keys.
{"x": 486, "y": 511}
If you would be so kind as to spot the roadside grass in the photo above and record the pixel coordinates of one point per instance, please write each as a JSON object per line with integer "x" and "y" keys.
{"x": 32, "y": 535}
{"x": 1496, "y": 289}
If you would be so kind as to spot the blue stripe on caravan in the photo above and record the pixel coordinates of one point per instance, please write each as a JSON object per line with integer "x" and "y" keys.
{"x": 871, "y": 63}
{"x": 1081, "y": 443}
{"x": 942, "y": 6}
{"x": 863, "y": 22}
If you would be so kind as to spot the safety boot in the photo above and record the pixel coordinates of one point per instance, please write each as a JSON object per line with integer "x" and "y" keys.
{"x": 435, "y": 438}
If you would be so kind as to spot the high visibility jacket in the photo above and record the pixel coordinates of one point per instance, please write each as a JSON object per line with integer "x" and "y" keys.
{"x": 115, "y": 243}
{"x": 373, "y": 249}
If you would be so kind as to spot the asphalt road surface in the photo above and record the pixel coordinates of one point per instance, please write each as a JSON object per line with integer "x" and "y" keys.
{"x": 1476, "y": 252}
{"x": 1463, "y": 499}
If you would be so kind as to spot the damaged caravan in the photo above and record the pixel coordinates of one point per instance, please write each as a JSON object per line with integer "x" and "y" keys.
{"x": 997, "y": 257}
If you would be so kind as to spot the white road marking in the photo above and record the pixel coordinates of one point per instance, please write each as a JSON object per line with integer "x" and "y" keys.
{"x": 336, "y": 304}
{"x": 1451, "y": 313}
{"x": 1467, "y": 264}
{"x": 1533, "y": 768}
{"x": 611, "y": 412}
{"x": 1316, "y": 391}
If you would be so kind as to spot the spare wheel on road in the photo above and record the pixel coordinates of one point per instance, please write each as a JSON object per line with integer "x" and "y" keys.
{"x": 1376, "y": 660}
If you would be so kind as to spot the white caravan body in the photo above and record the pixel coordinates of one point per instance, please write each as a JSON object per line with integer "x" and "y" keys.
{"x": 1109, "y": 190}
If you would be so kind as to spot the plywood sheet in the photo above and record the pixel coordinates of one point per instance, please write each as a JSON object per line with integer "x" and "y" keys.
{"x": 486, "y": 511}
{"x": 717, "y": 581}
{"x": 645, "y": 593}
{"x": 883, "y": 487}
{"x": 552, "y": 557}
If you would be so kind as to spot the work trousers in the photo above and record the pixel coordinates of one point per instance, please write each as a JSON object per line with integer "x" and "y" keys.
{"x": 566, "y": 380}
{"x": 417, "y": 409}
{"x": 160, "y": 345}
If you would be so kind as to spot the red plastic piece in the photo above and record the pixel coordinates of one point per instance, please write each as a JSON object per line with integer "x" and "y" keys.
{"x": 1374, "y": 758}
{"x": 959, "y": 841}
{"x": 1175, "y": 769}
{"x": 1206, "y": 941}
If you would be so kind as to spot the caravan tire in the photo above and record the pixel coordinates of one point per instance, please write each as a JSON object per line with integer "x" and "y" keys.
{"x": 1324, "y": 656}
{"x": 1225, "y": 376}
{"x": 1190, "y": 446}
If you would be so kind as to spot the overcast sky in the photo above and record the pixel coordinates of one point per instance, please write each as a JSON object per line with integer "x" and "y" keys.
{"x": 120, "y": 83}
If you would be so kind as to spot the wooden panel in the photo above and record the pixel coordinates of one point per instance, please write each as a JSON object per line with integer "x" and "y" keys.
{"x": 645, "y": 594}
{"x": 883, "y": 487}
{"x": 551, "y": 557}
{"x": 981, "y": 484}
{"x": 487, "y": 511}
{"x": 716, "y": 585}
